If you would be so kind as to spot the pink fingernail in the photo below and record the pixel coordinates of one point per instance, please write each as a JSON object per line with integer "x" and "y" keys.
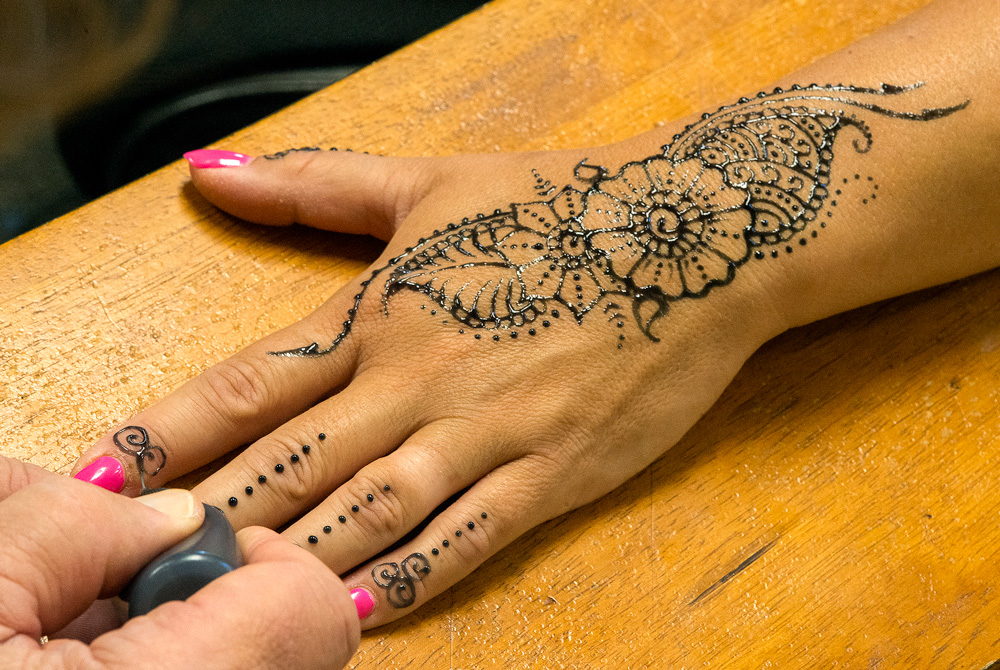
{"x": 105, "y": 472}
{"x": 364, "y": 601}
{"x": 216, "y": 158}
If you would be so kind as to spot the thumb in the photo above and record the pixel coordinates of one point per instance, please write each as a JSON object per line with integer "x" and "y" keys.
{"x": 341, "y": 191}
{"x": 67, "y": 543}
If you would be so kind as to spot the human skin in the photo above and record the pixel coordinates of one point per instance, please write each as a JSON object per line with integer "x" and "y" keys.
{"x": 67, "y": 543}
{"x": 525, "y": 428}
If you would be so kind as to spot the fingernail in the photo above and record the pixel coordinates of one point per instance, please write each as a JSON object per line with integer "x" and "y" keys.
{"x": 177, "y": 503}
{"x": 105, "y": 472}
{"x": 364, "y": 601}
{"x": 216, "y": 158}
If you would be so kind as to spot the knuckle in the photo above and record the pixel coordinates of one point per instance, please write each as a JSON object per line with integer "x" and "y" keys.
{"x": 383, "y": 515}
{"x": 446, "y": 468}
{"x": 300, "y": 479}
{"x": 474, "y": 544}
{"x": 238, "y": 384}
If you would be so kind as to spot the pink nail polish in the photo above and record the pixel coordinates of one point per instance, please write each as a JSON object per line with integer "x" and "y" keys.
{"x": 216, "y": 158}
{"x": 364, "y": 601}
{"x": 105, "y": 472}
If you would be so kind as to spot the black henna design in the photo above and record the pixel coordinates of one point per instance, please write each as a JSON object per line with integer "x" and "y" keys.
{"x": 279, "y": 468}
{"x": 398, "y": 581}
{"x": 137, "y": 445}
{"x": 544, "y": 186}
{"x": 749, "y": 177}
{"x": 281, "y": 154}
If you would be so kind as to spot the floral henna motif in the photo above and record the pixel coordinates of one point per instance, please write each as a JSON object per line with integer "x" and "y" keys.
{"x": 673, "y": 226}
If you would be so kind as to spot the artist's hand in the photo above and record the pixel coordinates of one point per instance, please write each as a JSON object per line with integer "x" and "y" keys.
{"x": 66, "y": 544}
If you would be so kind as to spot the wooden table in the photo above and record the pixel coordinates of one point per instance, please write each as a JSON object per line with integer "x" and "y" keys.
{"x": 839, "y": 506}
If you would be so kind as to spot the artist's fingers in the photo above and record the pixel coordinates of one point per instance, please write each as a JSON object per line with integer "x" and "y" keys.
{"x": 394, "y": 494}
{"x": 484, "y": 520}
{"x": 66, "y": 543}
{"x": 283, "y": 609}
{"x": 335, "y": 190}
{"x": 231, "y": 403}
{"x": 15, "y": 475}
{"x": 297, "y": 465}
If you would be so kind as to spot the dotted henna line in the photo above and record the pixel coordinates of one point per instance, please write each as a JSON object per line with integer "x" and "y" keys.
{"x": 369, "y": 497}
{"x": 278, "y": 468}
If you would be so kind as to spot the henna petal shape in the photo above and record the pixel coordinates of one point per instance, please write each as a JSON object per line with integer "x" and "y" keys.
{"x": 539, "y": 281}
{"x": 535, "y": 215}
{"x": 604, "y": 213}
{"x": 568, "y": 204}
{"x": 621, "y": 248}
{"x": 711, "y": 193}
{"x": 580, "y": 291}
{"x": 522, "y": 246}
{"x": 670, "y": 177}
{"x": 657, "y": 271}
{"x": 710, "y": 267}
{"x": 631, "y": 185}
{"x": 733, "y": 245}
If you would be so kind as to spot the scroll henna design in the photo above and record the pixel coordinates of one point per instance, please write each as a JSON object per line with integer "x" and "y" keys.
{"x": 398, "y": 580}
{"x": 751, "y": 175}
{"x": 149, "y": 458}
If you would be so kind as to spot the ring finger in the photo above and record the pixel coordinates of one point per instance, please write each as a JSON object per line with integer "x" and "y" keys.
{"x": 301, "y": 462}
{"x": 393, "y": 495}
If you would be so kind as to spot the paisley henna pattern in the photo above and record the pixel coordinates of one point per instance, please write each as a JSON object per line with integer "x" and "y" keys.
{"x": 751, "y": 176}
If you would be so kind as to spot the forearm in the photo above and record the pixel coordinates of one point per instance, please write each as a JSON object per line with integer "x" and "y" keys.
{"x": 918, "y": 208}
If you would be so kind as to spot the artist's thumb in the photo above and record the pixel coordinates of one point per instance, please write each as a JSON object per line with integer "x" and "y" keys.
{"x": 68, "y": 543}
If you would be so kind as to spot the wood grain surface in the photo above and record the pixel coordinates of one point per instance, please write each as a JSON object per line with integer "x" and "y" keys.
{"x": 838, "y": 507}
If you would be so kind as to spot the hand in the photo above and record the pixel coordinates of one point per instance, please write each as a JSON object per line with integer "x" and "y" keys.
{"x": 494, "y": 371}
{"x": 67, "y": 543}
{"x": 416, "y": 417}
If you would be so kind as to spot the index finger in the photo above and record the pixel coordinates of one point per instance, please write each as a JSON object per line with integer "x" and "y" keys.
{"x": 230, "y": 404}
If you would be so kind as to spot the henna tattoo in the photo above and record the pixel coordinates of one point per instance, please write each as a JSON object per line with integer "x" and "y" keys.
{"x": 750, "y": 177}
{"x": 137, "y": 445}
{"x": 398, "y": 580}
{"x": 544, "y": 186}
{"x": 279, "y": 468}
{"x": 281, "y": 154}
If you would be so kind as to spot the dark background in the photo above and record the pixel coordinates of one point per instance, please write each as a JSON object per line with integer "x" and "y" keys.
{"x": 218, "y": 66}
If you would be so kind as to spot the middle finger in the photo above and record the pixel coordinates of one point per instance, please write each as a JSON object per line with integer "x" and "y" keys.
{"x": 294, "y": 467}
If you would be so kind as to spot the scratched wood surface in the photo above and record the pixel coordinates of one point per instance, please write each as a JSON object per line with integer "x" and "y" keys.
{"x": 839, "y": 506}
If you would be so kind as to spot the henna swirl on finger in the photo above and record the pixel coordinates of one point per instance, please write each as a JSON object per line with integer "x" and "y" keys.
{"x": 136, "y": 444}
{"x": 398, "y": 581}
